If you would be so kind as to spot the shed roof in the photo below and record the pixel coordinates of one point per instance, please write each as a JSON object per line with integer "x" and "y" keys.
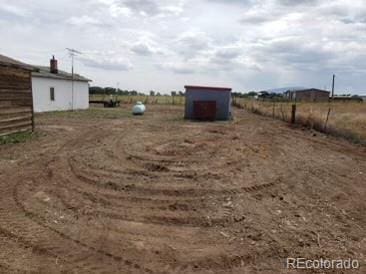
{"x": 10, "y": 62}
{"x": 208, "y": 88}
{"x": 45, "y": 72}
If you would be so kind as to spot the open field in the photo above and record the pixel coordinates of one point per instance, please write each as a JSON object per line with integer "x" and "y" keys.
{"x": 100, "y": 191}
{"x": 346, "y": 119}
{"x": 147, "y": 100}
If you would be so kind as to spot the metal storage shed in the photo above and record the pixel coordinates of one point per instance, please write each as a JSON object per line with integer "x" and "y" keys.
{"x": 309, "y": 95}
{"x": 208, "y": 103}
{"x": 16, "y": 103}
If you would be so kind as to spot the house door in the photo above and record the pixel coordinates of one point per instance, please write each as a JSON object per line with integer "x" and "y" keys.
{"x": 204, "y": 110}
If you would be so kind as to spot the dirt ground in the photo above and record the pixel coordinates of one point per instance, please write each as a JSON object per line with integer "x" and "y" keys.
{"x": 156, "y": 194}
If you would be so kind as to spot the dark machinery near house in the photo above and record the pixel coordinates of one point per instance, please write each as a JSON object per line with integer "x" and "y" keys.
{"x": 112, "y": 102}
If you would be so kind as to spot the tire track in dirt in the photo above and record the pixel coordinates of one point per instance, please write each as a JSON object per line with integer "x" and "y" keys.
{"x": 27, "y": 244}
{"x": 86, "y": 177}
{"x": 47, "y": 247}
{"x": 146, "y": 195}
{"x": 173, "y": 193}
{"x": 92, "y": 178}
{"x": 162, "y": 221}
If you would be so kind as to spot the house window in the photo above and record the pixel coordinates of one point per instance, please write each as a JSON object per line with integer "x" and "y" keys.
{"x": 52, "y": 94}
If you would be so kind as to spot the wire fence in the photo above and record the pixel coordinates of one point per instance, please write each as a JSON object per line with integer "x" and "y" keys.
{"x": 344, "y": 119}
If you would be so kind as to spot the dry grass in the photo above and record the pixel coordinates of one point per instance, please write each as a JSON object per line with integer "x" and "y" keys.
{"x": 346, "y": 119}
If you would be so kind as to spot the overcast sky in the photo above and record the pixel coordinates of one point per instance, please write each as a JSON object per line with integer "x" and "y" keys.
{"x": 165, "y": 44}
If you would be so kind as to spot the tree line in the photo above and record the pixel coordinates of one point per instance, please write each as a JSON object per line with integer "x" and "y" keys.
{"x": 114, "y": 91}
{"x": 96, "y": 90}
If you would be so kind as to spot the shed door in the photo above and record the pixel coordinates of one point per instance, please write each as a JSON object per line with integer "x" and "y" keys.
{"x": 204, "y": 110}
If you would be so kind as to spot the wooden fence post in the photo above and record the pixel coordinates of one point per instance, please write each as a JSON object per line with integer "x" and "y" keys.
{"x": 293, "y": 114}
{"x": 326, "y": 121}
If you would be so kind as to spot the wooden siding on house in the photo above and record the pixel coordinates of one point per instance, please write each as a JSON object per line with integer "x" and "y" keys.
{"x": 16, "y": 102}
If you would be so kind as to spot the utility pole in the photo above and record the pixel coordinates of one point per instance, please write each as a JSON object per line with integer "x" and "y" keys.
{"x": 72, "y": 53}
{"x": 333, "y": 86}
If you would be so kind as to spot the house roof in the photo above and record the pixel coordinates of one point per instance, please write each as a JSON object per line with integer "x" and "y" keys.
{"x": 44, "y": 72}
{"x": 9, "y": 62}
{"x": 208, "y": 88}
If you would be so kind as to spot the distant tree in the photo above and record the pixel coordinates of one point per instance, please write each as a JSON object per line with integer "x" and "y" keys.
{"x": 96, "y": 90}
{"x": 158, "y": 94}
{"x": 181, "y": 93}
{"x": 152, "y": 93}
{"x": 109, "y": 90}
{"x": 113, "y": 91}
{"x": 238, "y": 95}
{"x": 174, "y": 93}
{"x": 133, "y": 93}
{"x": 252, "y": 94}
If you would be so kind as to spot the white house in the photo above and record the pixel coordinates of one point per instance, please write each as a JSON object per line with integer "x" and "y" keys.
{"x": 56, "y": 90}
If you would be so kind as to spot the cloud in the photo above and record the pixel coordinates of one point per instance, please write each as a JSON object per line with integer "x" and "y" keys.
{"x": 298, "y": 2}
{"x": 178, "y": 67}
{"x": 228, "y": 53}
{"x": 84, "y": 20}
{"x": 192, "y": 43}
{"x": 144, "y": 7}
{"x": 142, "y": 49}
{"x": 105, "y": 61}
{"x": 13, "y": 10}
{"x": 145, "y": 46}
{"x": 171, "y": 42}
{"x": 295, "y": 53}
{"x": 148, "y": 6}
{"x": 213, "y": 59}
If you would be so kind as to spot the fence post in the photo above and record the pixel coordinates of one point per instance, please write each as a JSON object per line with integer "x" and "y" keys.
{"x": 326, "y": 121}
{"x": 293, "y": 114}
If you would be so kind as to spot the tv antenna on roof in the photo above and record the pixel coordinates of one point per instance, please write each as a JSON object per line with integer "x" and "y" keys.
{"x": 72, "y": 53}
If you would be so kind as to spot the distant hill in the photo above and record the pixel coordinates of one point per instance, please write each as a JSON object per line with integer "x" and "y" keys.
{"x": 284, "y": 89}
